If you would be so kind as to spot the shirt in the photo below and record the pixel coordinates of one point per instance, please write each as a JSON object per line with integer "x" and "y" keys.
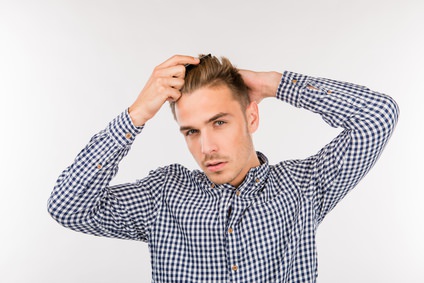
{"x": 262, "y": 231}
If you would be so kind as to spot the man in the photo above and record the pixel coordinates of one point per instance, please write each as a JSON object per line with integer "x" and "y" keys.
{"x": 239, "y": 219}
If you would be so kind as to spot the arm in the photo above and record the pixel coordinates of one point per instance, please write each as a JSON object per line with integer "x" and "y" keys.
{"x": 82, "y": 198}
{"x": 368, "y": 119}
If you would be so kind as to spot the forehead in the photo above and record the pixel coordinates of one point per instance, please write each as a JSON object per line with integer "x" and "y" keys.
{"x": 206, "y": 102}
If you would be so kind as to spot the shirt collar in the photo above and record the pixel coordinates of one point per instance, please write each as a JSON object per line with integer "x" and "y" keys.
{"x": 252, "y": 183}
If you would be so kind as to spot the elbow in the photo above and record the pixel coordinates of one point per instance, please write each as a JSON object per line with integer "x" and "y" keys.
{"x": 52, "y": 209}
{"x": 391, "y": 113}
{"x": 57, "y": 211}
{"x": 382, "y": 114}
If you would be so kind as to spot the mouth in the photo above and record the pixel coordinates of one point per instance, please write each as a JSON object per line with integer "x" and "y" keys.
{"x": 215, "y": 166}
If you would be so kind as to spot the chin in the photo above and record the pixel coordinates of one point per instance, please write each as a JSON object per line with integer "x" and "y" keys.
{"x": 219, "y": 180}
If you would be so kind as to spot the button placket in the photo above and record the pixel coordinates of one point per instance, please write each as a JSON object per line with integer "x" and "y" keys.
{"x": 232, "y": 252}
{"x": 230, "y": 236}
{"x": 233, "y": 236}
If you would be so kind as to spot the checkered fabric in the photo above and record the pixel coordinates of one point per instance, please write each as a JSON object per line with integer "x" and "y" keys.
{"x": 262, "y": 231}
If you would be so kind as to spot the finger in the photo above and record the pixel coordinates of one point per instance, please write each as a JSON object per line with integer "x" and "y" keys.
{"x": 177, "y": 71}
{"x": 162, "y": 84}
{"x": 173, "y": 95}
{"x": 246, "y": 75}
{"x": 179, "y": 60}
{"x": 176, "y": 83}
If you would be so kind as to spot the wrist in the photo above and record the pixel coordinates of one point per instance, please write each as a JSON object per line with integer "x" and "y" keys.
{"x": 136, "y": 117}
{"x": 271, "y": 82}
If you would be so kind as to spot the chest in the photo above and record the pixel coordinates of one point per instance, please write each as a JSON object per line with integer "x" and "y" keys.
{"x": 201, "y": 221}
{"x": 217, "y": 236}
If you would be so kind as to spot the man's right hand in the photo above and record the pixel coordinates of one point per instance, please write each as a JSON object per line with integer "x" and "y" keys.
{"x": 163, "y": 85}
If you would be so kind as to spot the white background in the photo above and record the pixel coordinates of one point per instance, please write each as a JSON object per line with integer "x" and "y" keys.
{"x": 68, "y": 67}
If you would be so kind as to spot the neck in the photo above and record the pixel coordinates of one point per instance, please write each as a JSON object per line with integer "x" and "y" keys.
{"x": 252, "y": 163}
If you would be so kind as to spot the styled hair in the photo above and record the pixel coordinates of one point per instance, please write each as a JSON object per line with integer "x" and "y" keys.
{"x": 213, "y": 72}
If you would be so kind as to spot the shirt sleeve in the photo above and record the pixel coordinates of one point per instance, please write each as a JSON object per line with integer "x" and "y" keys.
{"x": 83, "y": 200}
{"x": 368, "y": 119}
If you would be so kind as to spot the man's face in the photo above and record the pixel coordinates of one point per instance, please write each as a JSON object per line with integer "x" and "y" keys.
{"x": 218, "y": 133}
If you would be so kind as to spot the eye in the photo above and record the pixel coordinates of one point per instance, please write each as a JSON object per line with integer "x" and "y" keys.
{"x": 219, "y": 123}
{"x": 190, "y": 132}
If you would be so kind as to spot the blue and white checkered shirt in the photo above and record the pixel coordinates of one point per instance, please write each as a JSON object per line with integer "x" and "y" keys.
{"x": 262, "y": 231}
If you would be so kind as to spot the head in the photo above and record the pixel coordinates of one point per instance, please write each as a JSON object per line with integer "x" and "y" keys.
{"x": 217, "y": 120}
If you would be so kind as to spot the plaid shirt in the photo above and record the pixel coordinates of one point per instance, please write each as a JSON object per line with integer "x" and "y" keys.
{"x": 262, "y": 231}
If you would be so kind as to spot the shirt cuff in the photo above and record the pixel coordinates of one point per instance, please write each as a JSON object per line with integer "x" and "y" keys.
{"x": 291, "y": 86}
{"x": 122, "y": 129}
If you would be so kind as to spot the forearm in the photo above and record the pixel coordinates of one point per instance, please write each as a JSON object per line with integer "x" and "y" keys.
{"x": 340, "y": 104}
{"x": 81, "y": 187}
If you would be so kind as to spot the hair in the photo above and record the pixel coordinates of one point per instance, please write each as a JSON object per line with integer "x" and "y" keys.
{"x": 213, "y": 72}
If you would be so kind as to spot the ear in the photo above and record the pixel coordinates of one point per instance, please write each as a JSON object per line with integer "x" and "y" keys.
{"x": 252, "y": 117}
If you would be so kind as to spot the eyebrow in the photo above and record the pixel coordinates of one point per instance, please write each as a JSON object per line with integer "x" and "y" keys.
{"x": 213, "y": 118}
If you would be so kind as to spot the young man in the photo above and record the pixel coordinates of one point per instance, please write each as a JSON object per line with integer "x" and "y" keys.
{"x": 239, "y": 219}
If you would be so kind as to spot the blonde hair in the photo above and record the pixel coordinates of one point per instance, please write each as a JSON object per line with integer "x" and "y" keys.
{"x": 213, "y": 72}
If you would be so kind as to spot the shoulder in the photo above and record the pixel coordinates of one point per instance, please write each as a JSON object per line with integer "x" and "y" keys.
{"x": 179, "y": 171}
{"x": 176, "y": 175}
{"x": 182, "y": 184}
{"x": 294, "y": 172}
{"x": 285, "y": 169}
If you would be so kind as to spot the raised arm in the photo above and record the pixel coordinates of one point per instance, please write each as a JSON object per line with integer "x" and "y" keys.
{"x": 82, "y": 198}
{"x": 367, "y": 117}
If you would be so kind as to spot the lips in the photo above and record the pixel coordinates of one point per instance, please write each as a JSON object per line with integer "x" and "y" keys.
{"x": 215, "y": 166}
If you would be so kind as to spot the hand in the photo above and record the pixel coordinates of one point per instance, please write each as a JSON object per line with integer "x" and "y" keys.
{"x": 163, "y": 85}
{"x": 261, "y": 84}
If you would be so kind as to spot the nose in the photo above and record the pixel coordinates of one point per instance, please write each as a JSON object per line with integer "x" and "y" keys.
{"x": 208, "y": 143}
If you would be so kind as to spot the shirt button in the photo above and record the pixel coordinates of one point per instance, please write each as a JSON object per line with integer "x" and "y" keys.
{"x": 257, "y": 180}
{"x": 128, "y": 135}
{"x": 294, "y": 81}
{"x": 230, "y": 230}
{"x": 212, "y": 185}
{"x": 99, "y": 166}
{"x": 238, "y": 193}
{"x": 329, "y": 92}
{"x": 235, "y": 267}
